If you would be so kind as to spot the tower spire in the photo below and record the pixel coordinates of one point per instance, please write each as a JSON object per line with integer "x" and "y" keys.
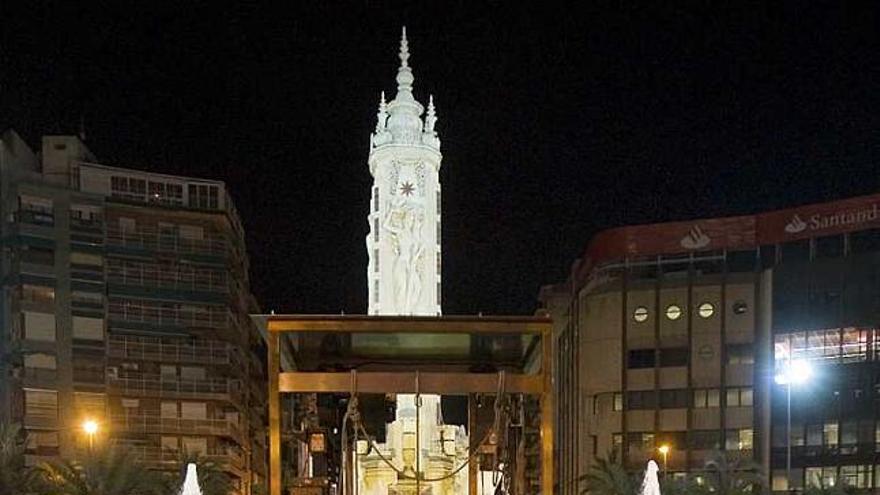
{"x": 405, "y": 76}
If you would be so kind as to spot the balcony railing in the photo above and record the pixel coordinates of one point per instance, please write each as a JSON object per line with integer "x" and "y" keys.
{"x": 151, "y": 240}
{"x": 154, "y": 276}
{"x": 171, "y": 351}
{"x": 174, "y": 316}
{"x": 229, "y": 458}
{"x": 184, "y": 426}
{"x": 142, "y": 384}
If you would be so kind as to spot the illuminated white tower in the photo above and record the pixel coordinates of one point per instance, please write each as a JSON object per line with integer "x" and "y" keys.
{"x": 404, "y": 240}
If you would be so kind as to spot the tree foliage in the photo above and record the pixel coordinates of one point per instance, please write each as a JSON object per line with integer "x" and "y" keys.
{"x": 15, "y": 476}
{"x": 106, "y": 471}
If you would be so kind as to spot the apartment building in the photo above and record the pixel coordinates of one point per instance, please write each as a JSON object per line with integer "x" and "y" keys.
{"x": 673, "y": 334}
{"x": 126, "y": 301}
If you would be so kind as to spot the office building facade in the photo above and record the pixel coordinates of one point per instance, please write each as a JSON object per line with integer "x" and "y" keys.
{"x": 672, "y": 334}
{"x": 126, "y": 301}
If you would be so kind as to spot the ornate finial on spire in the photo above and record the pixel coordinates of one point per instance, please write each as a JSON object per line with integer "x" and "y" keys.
{"x": 404, "y": 49}
{"x": 382, "y": 116}
{"x": 404, "y": 73}
{"x": 431, "y": 117}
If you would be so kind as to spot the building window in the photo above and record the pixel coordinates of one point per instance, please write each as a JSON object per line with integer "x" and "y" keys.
{"x": 438, "y": 231}
{"x": 645, "y": 399}
{"x": 376, "y": 199}
{"x": 740, "y": 354}
{"x": 674, "y": 399}
{"x": 438, "y": 200}
{"x": 203, "y": 196}
{"x": 707, "y": 397}
{"x": 641, "y": 358}
{"x": 643, "y": 442}
{"x": 376, "y": 291}
{"x": 640, "y": 314}
{"x": 739, "y": 439}
{"x": 618, "y": 403}
{"x": 830, "y": 433}
{"x": 438, "y": 293}
{"x": 438, "y": 264}
{"x": 376, "y": 229}
{"x": 617, "y": 444}
{"x": 676, "y": 356}
{"x": 673, "y": 312}
{"x": 848, "y": 345}
{"x": 706, "y": 310}
{"x": 37, "y": 294}
{"x": 858, "y": 476}
{"x": 739, "y": 397}
{"x": 376, "y": 260}
{"x": 704, "y": 439}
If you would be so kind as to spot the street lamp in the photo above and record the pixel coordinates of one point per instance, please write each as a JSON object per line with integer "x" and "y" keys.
{"x": 90, "y": 426}
{"x": 792, "y": 373}
{"x": 664, "y": 449}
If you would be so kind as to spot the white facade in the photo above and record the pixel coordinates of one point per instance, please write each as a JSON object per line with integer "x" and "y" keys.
{"x": 404, "y": 240}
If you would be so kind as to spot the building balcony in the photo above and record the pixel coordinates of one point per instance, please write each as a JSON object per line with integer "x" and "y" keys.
{"x": 38, "y": 376}
{"x": 180, "y": 426}
{"x": 171, "y": 351}
{"x": 168, "y": 315}
{"x": 35, "y": 217}
{"x": 41, "y": 421}
{"x": 153, "y": 276}
{"x": 148, "y": 385}
{"x": 229, "y": 459}
{"x": 153, "y": 241}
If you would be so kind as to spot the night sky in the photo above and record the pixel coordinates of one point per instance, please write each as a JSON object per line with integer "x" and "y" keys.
{"x": 557, "y": 120}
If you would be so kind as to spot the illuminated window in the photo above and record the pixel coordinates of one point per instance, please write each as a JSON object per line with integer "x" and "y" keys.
{"x": 742, "y": 439}
{"x": 707, "y": 397}
{"x": 740, "y": 307}
{"x": 706, "y": 310}
{"x": 640, "y": 314}
{"x": 618, "y": 402}
{"x": 673, "y": 312}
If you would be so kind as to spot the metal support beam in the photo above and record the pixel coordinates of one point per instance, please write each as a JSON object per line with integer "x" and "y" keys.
{"x": 274, "y": 361}
{"x": 547, "y": 412}
{"x": 405, "y": 383}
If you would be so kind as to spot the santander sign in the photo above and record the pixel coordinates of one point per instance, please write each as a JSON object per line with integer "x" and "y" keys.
{"x": 819, "y": 222}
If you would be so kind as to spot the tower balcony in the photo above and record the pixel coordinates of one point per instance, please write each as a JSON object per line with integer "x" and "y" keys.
{"x": 159, "y": 314}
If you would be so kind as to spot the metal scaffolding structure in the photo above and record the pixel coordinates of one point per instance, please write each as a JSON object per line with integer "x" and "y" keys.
{"x": 533, "y": 377}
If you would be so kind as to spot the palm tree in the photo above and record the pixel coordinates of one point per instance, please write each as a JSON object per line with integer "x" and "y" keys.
{"x": 724, "y": 476}
{"x": 108, "y": 471}
{"x": 15, "y": 476}
{"x": 608, "y": 477}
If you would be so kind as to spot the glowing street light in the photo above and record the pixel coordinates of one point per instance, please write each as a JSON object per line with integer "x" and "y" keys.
{"x": 664, "y": 449}
{"x": 90, "y": 426}
{"x": 792, "y": 373}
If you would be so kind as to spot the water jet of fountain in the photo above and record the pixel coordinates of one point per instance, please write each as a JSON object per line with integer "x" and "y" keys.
{"x": 191, "y": 482}
{"x": 650, "y": 484}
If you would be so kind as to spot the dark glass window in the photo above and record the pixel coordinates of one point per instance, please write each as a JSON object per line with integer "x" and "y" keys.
{"x": 704, "y": 439}
{"x": 641, "y": 358}
{"x": 742, "y": 261}
{"x": 864, "y": 241}
{"x": 796, "y": 251}
{"x": 675, "y": 356}
{"x": 646, "y": 399}
{"x": 829, "y": 247}
{"x": 674, "y": 399}
{"x": 740, "y": 354}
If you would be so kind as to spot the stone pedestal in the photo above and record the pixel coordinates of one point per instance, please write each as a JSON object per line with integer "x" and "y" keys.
{"x": 408, "y": 487}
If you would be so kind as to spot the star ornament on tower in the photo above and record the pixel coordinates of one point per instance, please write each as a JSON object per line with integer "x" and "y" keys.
{"x": 407, "y": 188}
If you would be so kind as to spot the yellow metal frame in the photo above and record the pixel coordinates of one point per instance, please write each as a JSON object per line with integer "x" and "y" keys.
{"x": 540, "y": 383}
